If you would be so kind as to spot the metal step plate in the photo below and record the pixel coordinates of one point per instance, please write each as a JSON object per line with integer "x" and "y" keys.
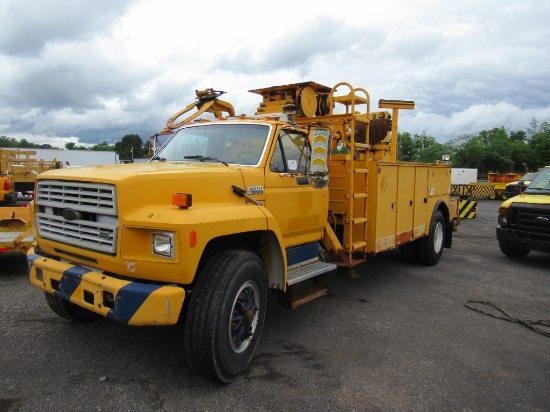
{"x": 299, "y": 273}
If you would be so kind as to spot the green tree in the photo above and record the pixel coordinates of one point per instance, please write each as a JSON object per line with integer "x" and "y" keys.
{"x": 6, "y": 141}
{"x": 423, "y": 141}
{"x": 23, "y": 143}
{"x": 130, "y": 147}
{"x": 540, "y": 145}
{"x": 494, "y": 161}
{"x": 103, "y": 147}
{"x": 406, "y": 151}
{"x": 533, "y": 127}
{"x": 73, "y": 146}
{"x": 410, "y": 147}
{"x": 469, "y": 152}
{"x": 519, "y": 136}
{"x": 434, "y": 152}
{"x": 522, "y": 154}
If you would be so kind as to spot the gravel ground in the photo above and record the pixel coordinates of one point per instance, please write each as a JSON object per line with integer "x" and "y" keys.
{"x": 397, "y": 338}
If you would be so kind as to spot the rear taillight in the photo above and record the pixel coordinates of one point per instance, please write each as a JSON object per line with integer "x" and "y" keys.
{"x": 6, "y": 185}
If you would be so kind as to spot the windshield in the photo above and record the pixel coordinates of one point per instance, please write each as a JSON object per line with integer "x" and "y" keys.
{"x": 529, "y": 176}
{"x": 541, "y": 184}
{"x": 241, "y": 144}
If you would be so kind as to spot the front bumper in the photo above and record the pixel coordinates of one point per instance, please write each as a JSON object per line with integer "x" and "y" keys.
{"x": 124, "y": 301}
{"x": 530, "y": 240}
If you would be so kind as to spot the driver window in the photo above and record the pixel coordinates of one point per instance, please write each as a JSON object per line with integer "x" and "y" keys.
{"x": 291, "y": 153}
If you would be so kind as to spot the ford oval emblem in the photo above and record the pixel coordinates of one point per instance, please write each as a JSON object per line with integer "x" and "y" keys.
{"x": 70, "y": 214}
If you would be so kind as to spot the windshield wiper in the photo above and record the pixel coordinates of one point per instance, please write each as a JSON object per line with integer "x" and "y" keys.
{"x": 160, "y": 159}
{"x": 205, "y": 158}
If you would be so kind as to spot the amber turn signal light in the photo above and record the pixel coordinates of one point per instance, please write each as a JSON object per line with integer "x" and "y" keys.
{"x": 182, "y": 200}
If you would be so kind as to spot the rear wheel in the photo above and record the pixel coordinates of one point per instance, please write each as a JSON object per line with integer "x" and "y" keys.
{"x": 430, "y": 248}
{"x": 226, "y": 314}
{"x": 513, "y": 251}
{"x": 70, "y": 311}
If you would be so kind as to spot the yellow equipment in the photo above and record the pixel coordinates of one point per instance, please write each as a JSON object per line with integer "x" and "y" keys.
{"x": 16, "y": 232}
{"x": 233, "y": 206}
{"x": 18, "y": 171}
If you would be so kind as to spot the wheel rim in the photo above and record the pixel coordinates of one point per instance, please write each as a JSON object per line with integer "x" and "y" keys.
{"x": 244, "y": 316}
{"x": 438, "y": 237}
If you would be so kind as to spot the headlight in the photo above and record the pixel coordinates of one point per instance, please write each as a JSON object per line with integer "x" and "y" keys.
{"x": 502, "y": 220}
{"x": 163, "y": 244}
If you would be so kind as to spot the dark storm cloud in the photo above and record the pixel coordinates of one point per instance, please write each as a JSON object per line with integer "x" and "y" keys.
{"x": 98, "y": 70}
{"x": 76, "y": 82}
{"x": 27, "y": 26}
{"x": 298, "y": 48}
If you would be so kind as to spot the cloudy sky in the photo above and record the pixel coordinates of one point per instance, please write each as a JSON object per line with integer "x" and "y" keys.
{"x": 94, "y": 70}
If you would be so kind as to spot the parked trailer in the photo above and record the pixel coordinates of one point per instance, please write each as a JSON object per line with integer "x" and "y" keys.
{"x": 16, "y": 232}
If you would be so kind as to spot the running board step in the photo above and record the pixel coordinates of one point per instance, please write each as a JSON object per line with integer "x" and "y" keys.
{"x": 317, "y": 272}
{"x": 300, "y": 273}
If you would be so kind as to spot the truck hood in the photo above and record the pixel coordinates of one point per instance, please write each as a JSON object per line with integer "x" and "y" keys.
{"x": 154, "y": 183}
{"x": 528, "y": 199}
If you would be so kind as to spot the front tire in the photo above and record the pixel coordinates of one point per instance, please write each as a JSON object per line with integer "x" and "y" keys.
{"x": 430, "y": 248}
{"x": 226, "y": 314}
{"x": 513, "y": 252}
{"x": 68, "y": 310}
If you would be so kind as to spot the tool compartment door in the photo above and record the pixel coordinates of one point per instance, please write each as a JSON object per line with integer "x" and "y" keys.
{"x": 420, "y": 225}
{"x": 382, "y": 207}
{"x": 405, "y": 203}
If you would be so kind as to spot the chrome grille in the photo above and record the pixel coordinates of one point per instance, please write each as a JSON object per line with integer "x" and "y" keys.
{"x": 530, "y": 217}
{"x": 93, "y": 221}
{"x": 89, "y": 197}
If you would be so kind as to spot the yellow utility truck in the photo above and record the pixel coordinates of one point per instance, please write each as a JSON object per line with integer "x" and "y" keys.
{"x": 232, "y": 206}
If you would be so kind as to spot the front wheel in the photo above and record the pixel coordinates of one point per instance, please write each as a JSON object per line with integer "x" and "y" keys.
{"x": 513, "y": 251}
{"x": 430, "y": 248}
{"x": 226, "y": 314}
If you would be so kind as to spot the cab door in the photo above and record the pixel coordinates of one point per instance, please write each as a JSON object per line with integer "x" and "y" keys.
{"x": 299, "y": 208}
